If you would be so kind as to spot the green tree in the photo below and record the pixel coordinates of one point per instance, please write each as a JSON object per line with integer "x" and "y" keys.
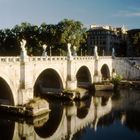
{"x": 10, "y": 43}
{"x": 70, "y": 31}
{"x": 134, "y": 39}
{"x": 48, "y": 36}
{"x": 31, "y": 34}
{"x": 2, "y": 41}
{"x": 136, "y": 43}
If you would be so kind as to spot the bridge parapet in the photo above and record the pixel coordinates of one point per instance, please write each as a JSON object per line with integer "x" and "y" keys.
{"x": 105, "y": 57}
{"x": 42, "y": 58}
{"x": 48, "y": 58}
{"x": 83, "y": 58}
{"x": 9, "y": 59}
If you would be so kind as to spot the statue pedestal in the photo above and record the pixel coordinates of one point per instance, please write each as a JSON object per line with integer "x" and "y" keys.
{"x": 97, "y": 79}
{"x": 44, "y": 54}
{"x": 72, "y": 85}
{"x": 25, "y": 95}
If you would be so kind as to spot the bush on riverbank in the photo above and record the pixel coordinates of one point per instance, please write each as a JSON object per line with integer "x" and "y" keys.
{"x": 116, "y": 81}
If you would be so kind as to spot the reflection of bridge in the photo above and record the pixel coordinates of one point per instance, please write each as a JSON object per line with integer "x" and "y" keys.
{"x": 70, "y": 122}
{"x": 99, "y": 111}
{"x": 21, "y": 78}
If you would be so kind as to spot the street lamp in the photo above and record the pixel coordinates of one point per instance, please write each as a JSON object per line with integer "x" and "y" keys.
{"x": 103, "y": 52}
{"x": 85, "y": 52}
{"x": 60, "y": 51}
{"x": 81, "y": 52}
{"x": 50, "y": 51}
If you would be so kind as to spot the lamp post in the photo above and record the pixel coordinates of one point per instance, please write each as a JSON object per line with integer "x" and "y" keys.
{"x": 103, "y": 52}
{"x": 85, "y": 52}
{"x": 81, "y": 52}
{"x": 50, "y": 51}
{"x": 60, "y": 51}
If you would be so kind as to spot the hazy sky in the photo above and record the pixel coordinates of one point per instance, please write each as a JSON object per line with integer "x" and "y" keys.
{"x": 112, "y": 12}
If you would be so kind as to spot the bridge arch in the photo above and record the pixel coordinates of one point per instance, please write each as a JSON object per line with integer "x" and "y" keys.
{"x": 83, "y": 76}
{"x": 105, "y": 72}
{"x": 48, "y": 80}
{"x": 7, "y": 95}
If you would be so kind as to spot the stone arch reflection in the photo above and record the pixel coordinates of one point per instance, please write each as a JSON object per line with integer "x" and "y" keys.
{"x": 6, "y": 96}
{"x": 48, "y": 81}
{"x": 83, "y": 108}
{"x": 53, "y": 122}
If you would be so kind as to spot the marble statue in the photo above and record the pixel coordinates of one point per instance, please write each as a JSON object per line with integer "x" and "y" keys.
{"x": 95, "y": 53}
{"x": 113, "y": 52}
{"x": 74, "y": 51}
{"x": 69, "y": 51}
{"x": 44, "y": 50}
{"x": 22, "y": 45}
{"x": 23, "y": 49}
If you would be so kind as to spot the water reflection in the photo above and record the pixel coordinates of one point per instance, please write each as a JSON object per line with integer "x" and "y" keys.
{"x": 104, "y": 115}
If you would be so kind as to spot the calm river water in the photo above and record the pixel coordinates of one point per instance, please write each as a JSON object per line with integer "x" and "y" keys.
{"x": 103, "y": 116}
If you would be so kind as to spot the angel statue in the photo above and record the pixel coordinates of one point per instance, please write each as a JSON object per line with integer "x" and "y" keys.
{"x": 69, "y": 51}
{"x": 44, "y": 50}
{"x": 95, "y": 53}
{"x": 23, "y": 49}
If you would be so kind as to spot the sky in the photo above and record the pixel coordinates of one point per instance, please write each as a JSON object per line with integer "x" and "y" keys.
{"x": 103, "y": 12}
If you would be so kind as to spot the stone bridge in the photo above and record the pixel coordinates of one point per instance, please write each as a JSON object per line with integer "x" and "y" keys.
{"x": 21, "y": 78}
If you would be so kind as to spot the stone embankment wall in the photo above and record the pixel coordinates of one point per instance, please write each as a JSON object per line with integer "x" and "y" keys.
{"x": 127, "y": 68}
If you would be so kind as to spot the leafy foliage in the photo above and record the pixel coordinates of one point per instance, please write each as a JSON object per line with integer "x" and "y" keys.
{"x": 117, "y": 79}
{"x": 55, "y": 37}
{"x": 134, "y": 38}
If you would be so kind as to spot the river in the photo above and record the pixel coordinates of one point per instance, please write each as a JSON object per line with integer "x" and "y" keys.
{"x": 105, "y": 115}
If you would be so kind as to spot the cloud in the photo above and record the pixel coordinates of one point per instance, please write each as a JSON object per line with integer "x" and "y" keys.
{"x": 125, "y": 13}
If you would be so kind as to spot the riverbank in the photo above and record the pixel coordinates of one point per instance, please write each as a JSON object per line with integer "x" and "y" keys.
{"x": 104, "y": 87}
{"x": 35, "y": 107}
{"x": 129, "y": 84}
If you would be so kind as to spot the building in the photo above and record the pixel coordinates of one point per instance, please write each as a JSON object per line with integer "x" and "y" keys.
{"x": 106, "y": 38}
{"x": 133, "y": 42}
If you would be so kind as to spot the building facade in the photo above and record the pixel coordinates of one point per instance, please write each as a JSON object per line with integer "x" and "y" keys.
{"x": 106, "y": 38}
{"x": 133, "y": 42}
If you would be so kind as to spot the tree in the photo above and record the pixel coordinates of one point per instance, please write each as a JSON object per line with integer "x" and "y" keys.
{"x": 10, "y": 43}
{"x": 48, "y": 35}
{"x": 55, "y": 37}
{"x": 136, "y": 43}
{"x": 2, "y": 41}
{"x": 70, "y": 31}
{"x": 31, "y": 34}
{"x": 134, "y": 38}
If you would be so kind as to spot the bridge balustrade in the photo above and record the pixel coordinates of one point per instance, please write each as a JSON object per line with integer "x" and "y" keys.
{"x": 42, "y": 58}
{"x": 48, "y": 58}
{"x": 9, "y": 59}
{"x": 83, "y": 58}
{"x": 105, "y": 57}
